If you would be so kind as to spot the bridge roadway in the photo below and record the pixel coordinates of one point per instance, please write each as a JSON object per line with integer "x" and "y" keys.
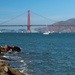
{"x": 34, "y": 25}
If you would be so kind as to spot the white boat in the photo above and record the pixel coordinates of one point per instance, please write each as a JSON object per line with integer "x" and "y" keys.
{"x": 46, "y": 33}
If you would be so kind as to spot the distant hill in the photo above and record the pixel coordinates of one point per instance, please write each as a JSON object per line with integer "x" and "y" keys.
{"x": 67, "y": 22}
{"x": 61, "y": 26}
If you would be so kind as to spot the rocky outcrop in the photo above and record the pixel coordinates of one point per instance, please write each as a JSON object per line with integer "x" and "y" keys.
{"x": 7, "y": 48}
{"x": 15, "y": 48}
{"x": 5, "y": 69}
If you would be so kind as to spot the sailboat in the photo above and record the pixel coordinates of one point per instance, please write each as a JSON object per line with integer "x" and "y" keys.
{"x": 47, "y": 31}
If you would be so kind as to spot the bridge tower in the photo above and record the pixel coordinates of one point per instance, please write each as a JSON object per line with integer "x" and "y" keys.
{"x": 28, "y": 25}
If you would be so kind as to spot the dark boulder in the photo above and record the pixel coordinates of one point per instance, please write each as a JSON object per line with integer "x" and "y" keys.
{"x": 15, "y": 48}
{"x": 7, "y": 48}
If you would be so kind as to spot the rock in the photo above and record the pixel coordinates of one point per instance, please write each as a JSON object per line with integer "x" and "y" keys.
{"x": 10, "y": 71}
{"x": 6, "y": 69}
{"x": 2, "y": 64}
{"x": 3, "y": 73}
{"x": 7, "y": 48}
{"x": 14, "y": 72}
{"x": 15, "y": 48}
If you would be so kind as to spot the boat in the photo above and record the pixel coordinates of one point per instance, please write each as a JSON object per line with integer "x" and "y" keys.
{"x": 46, "y": 33}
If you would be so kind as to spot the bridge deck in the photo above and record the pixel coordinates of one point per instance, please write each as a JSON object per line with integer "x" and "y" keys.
{"x": 34, "y": 25}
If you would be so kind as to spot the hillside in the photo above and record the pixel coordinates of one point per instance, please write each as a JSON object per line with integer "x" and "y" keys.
{"x": 67, "y": 22}
{"x": 61, "y": 26}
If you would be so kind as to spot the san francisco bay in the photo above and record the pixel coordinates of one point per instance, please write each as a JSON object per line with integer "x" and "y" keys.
{"x": 52, "y": 54}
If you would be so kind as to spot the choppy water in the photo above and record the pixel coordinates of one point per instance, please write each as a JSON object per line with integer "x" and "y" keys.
{"x": 52, "y": 54}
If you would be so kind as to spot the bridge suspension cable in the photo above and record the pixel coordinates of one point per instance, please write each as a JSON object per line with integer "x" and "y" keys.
{"x": 43, "y": 17}
{"x": 13, "y": 18}
{"x": 23, "y": 14}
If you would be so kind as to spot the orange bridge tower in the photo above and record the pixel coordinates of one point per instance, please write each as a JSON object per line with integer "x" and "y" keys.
{"x": 28, "y": 25}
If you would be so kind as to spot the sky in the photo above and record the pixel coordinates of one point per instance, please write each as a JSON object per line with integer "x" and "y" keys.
{"x": 48, "y": 11}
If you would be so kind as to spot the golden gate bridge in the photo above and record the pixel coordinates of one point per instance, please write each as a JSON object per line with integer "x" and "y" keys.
{"x": 3, "y": 24}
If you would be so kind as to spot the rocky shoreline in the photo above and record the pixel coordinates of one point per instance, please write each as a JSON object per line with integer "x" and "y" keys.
{"x": 6, "y": 68}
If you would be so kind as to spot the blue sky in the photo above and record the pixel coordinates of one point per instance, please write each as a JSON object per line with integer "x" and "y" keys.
{"x": 54, "y": 9}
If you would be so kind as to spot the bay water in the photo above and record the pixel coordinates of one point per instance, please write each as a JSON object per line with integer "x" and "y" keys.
{"x": 52, "y": 54}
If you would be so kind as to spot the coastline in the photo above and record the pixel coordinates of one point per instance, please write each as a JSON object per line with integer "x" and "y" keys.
{"x": 5, "y": 67}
